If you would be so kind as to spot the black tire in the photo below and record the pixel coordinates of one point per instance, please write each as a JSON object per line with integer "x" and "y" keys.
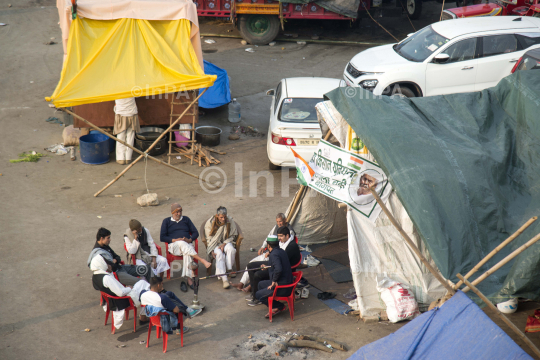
{"x": 271, "y": 166}
{"x": 403, "y": 91}
{"x": 414, "y": 8}
{"x": 258, "y": 29}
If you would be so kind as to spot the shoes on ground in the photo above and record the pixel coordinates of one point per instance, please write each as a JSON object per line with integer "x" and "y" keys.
{"x": 193, "y": 312}
{"x": 226, "y": 285}
{"x": 183, "y": 286}
{"x": 326, "y": 295}
{"x": 249, "y": 297}
{"x": 310, "y": 261}
{"x": 305, "y": 293}
{"x": 274, "y": 312}
{"x": 186, "y": 329}
{"x": 254, "y": 302}
{"x": 121, "y": 162}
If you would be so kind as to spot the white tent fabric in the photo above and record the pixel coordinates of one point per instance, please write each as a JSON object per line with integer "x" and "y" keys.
{"x": 318, "y": 219}
{"x": 378, "y": 249}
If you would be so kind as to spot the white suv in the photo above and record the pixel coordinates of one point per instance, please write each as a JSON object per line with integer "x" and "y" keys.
{"x": 451, "y": 56}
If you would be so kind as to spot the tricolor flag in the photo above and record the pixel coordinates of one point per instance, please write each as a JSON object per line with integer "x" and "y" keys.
{"x": 355, "y": 163}
{"x": 303, "y": 170}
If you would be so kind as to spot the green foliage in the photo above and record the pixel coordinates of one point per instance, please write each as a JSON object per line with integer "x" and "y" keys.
{"x": 24, "y": 157}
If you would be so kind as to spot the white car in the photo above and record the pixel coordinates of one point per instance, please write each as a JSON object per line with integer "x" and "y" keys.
{"x": 293, "y": 118}
{"x": 451, "y": 56}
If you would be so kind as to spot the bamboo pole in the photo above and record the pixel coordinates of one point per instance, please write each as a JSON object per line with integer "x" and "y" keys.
{"x": 501, "y": 316}
{"x": 496, "y": 250}
{"x": 129, "y": 146}
{"x": 504, "y": 261}
{"x": 410, "y": 243}
{"x": 151, "y": 146}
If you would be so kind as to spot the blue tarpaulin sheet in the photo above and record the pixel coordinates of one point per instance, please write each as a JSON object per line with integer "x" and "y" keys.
{"x": 457, "y": 330}
{"x": 218, "y": 94}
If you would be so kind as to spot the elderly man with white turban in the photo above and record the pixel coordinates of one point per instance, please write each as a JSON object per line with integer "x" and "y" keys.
{"x": 104, "y": 281}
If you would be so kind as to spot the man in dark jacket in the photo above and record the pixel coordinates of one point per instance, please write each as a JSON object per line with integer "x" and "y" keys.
{"x": 293, "y": 254}
{"x": 127, "y": 274}
{"x": 280, "y": 274}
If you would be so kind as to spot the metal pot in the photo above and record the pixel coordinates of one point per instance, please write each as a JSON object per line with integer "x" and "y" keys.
{"x": 159, "y": 149}
{"x": 149, "y": 133}
{"x": 208, "y": 135}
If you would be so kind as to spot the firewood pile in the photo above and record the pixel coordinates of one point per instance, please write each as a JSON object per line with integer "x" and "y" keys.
{"x": 199, "y": 154}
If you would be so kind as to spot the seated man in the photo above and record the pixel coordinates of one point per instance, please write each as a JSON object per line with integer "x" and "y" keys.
{"x": 293, "y": 254}
{"x": 140, "y": 243}
{"x": 156, "y": 301}
{"x": 178, "y": 232}
{"x": 102, "y": 280}
{"x": 221, "y": 234}
{"x": 280, "y": 274}
{"x": 281, "y": 220}
{"x": 127, "y": 274}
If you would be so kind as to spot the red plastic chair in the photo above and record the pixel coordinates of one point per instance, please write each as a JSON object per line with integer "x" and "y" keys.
{"x": 297, "y": 265}
{"x": 131, "y": 307}
{"x": 290, "y": 299}
{"x": 156, "y": 321}
{"x": 134, "y": 260}
{"x": 101, "y": 297}
{"x": 296, "y": 239}
{"x": 171, "y": 258}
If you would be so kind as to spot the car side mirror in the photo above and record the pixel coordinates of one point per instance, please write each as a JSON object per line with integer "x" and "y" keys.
{"x": 270, "y": 92}
{"x": 441, "y": 58}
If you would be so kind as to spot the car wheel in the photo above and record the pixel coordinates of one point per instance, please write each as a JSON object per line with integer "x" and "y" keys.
{"x": 414, "y": 8}
{"x": 258, "y": 29}
{"x": 403, "y": 91}
{"x": 271, "y": 166}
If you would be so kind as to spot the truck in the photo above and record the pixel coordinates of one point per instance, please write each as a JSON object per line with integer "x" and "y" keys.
{"x": 497, "y": 8}
{"x": 259, "y": 21}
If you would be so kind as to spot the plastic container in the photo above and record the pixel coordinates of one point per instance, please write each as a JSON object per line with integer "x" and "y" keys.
{"x": 234, "y": 111}
{"x": 94, "y": 149}
{"x": 182, "y": 141}
{"x": 112, "y": 143}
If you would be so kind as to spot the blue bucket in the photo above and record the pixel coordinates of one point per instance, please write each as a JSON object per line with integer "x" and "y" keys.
{"x": 112, "y": 143}
{"x": 94, "y": 149}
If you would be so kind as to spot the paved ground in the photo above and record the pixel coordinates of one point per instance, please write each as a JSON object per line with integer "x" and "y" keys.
{"x": 49, "y": 216}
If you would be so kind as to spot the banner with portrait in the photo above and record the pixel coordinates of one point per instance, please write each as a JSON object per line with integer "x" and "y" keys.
{"x": 346, "y": 177}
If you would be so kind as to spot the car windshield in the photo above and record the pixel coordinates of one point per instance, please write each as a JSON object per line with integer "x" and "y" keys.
{"x": 299, "y": 110}
{"x": 420, "y": 45}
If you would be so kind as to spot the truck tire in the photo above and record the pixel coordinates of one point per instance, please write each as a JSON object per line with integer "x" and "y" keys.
{"x": 258, "y": 29}
{"x": 404, "y": 91}
{"x": 414, "y": 8}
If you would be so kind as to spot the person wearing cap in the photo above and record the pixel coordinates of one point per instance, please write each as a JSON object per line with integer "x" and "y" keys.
{"x": 280, "y": 274}
{"x": 104, "y": 281}
{"x": 281, "y": 221}
{"x": 221, "y": 234}
{"x": 178, "y": 232}
{"x": 140, "y": 243}
{"x": 293, "y": 254}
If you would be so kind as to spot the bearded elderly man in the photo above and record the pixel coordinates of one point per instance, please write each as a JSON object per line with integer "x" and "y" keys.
{"x": 178, "y": 232}
{"x": 221, "y": 234}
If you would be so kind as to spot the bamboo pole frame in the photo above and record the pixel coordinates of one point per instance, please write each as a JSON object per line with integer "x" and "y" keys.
{"x": 497, "y": 249}
{"x": 411, "y": 243}
{"x": 143, "y": 154}
{"x": 492, "y": 307}
{"x": 503, "y": 262}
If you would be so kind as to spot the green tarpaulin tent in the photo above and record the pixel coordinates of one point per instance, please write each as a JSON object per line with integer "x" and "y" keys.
{"x": 467, "y": 170}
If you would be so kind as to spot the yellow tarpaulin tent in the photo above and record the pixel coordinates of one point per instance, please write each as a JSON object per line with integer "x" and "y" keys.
{"x": 116, "y": 59}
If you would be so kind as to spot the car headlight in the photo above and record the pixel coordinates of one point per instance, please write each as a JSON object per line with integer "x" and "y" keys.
{"x": 369, "y": 84}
